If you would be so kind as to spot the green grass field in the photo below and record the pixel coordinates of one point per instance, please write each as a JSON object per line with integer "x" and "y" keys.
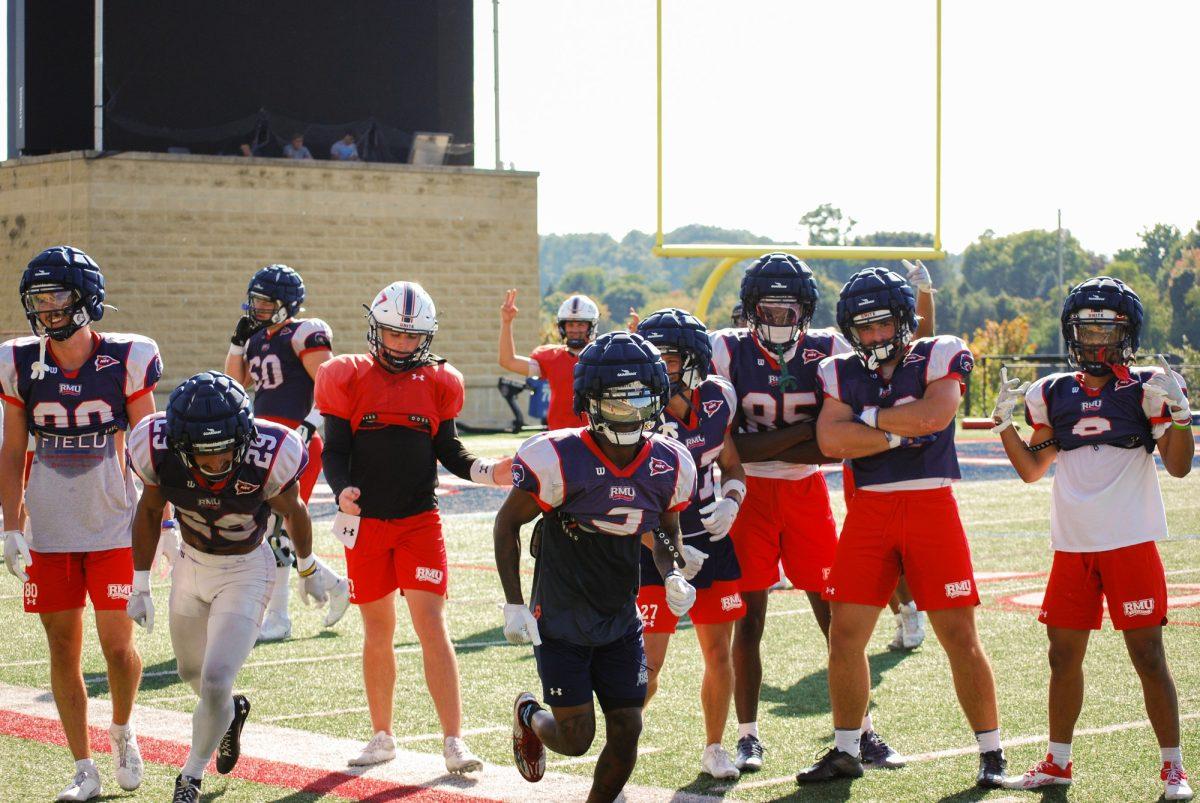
{"x": 914, "y": 704}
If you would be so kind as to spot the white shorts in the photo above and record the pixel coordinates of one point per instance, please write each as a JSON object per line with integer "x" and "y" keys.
{"x": 205, "y": 585}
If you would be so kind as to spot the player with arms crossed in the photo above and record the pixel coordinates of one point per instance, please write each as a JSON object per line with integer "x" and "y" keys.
{"x": 577, "y": 319}
{"x": 76, "y": 392}
{"x": 1101, "y": 426}
{"x": 389, "y": 420}
{"x": 889, "y": 408}
{"x": 602, "y": 491}
{"x": 699, "y": 413}
{"x": 225, "y": 474}
{"x": 281, "y": 353}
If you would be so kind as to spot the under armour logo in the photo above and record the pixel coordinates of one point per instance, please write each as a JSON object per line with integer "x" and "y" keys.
{"x": 419, "y": 377}
{"x": 347, "y": 531}
{"x": 556, "y": 692}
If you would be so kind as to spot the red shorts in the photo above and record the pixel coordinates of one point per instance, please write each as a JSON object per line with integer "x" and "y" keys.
{"x": 393, "y": 554}
{"x": 788, "y": 521}
{"x": 847, "y": 483}
{"x": 914, "y": 533}
{"x": 1130, "y": 578}
{"x": 62, "y": 581}
{"x": 718, "y": 603}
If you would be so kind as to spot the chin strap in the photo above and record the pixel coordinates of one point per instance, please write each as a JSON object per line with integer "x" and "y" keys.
{"x": 40, "y": 367}
{"x": 786, "y": 380}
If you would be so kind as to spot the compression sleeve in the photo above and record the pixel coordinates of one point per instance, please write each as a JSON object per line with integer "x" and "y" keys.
{"x": 451, "y": 452}
{"x": 336, "y": 455}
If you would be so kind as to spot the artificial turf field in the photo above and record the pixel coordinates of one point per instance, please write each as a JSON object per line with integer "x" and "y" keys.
{"x": 312, "y": 686}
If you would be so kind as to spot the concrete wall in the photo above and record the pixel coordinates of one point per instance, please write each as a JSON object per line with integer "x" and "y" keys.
{"x": 178, "y": 238}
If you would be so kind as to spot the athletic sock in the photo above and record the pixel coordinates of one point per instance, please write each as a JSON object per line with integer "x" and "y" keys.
{"x": 85, "y": 765}
{"x": 526, "y": 712}
{"x": 119, "y": 730}
{"x": 847, "y": 740}
{"x": 747, "y": 729}
{"x": 1060, "y": 753}
{"x": 867, "y": 724}
{"x": 1172, "y": 755}
{"x": 988, "y": 740}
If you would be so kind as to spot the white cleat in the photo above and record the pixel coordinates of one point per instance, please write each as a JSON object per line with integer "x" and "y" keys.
{"x": 1176, "y": 780}
{"x": 381, "y": 748}
{"x": 127, "y": 758}
{"x": 84, "y": 786}
{"x": 910, "y": 629}
{"x": 275, "y": 627}
{"x": 459, "y": 758}
{"x": 339, "y": 602}
{"x": 717, "y": 763}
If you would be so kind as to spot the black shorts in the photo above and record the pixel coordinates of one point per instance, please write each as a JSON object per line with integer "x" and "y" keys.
{"x": 615, "y": 672}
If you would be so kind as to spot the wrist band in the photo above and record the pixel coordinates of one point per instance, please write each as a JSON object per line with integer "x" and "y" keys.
{"x": 307, "y": 566}
{"x": 1178, "y": 425}
{"x": 733, "y": 485}
{"x": 236, "y": 351}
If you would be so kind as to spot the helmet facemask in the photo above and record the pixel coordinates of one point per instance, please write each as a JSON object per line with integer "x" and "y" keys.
{"x": 576, "y": 343}
{"x": 779, "y": 321}
{"x": 877, "y": 353}
{"x": 690, "y": 373}
{"x": 278, "y": 311}
{"x": 624, "y": 413}
{"x": 391, "y": 359}
{"x": 1099, "y": 339}
{"x": 188, "y": 452}
{"x": 54, "y": 311}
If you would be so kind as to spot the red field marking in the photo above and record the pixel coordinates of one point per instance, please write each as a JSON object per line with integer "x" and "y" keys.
{"x": 1178, "y": 596}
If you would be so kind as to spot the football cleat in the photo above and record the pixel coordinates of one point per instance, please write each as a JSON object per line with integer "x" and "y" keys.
{"x": 716, "y": 762}
{"x": 230, "y": 748}
{"x": 276, "y": 626}
{"x": 459, "y": 758}
{"x": 1176, "y": 780}
{"x": 1044, "y": 773}
{"x": 878, "y": 753}
{"x": 910, "y": 629}
{"x": 187, "y": 789}
{"x": 127, "y": 757}
{"x": 84, "y": 786}
{"x": 833, "y": 764}
{"x": 992, "y": 765}
{"x": 381, "y": 748}
{"x": 339, "y": 602}
{"x": 528, "y": 751}
{"x": 749, "y": 754}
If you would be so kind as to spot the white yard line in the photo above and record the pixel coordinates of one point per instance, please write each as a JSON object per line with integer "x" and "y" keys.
{"x": 577, "y": 760}
{"x": 311, "y": 714}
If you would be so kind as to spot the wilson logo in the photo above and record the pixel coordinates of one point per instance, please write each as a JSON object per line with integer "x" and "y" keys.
{"x": 960, "y": 589}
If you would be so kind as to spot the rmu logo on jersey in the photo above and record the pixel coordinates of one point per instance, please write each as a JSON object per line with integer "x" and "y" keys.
{"x": 711, "y": 407}
{"x": 427, "y": 575}
{"x": 622, "y": 493}
{"x": 1091, "y": 405}
{"x": 67, "y": 389}
{"x": 659, "y": 466}
{"x": 1138, "y": 607}
{"x": 241, "y": 487}
{"x": 103, "y": 361}
{"x": 962, "y": 588}
{"x": 773, "y": 380}
{"x": 811, "y": 355}
{"x": 913, "y": 358}
{"x": 209, "y": 501}
{"x": 695, "y": 440}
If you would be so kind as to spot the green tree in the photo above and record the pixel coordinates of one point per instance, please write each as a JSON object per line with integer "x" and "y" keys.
{"x": 590, "y": 281}
{"x": 625, "y": 292}
{"x": 1183, "y": 290}
{"x": 1023, "y": 264}
{"x": 1159, "y": 250}
{"x": 826, "y": 225}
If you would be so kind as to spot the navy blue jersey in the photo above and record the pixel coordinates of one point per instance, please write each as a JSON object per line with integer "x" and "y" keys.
{"x": 283, "y": 389}
{"x": 586, "y": 583}
{"x": 230, "y": 515}
{"x": 1117, "y": 414}
{"x": 847, "y": 379}
{"x": 764, "y": 404}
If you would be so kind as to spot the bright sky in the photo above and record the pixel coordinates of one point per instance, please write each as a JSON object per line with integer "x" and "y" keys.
{"x": 773, "y": 107}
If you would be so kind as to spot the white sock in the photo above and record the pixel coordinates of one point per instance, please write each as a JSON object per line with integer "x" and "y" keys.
{"x": 86, "y": 765}
{"x": 119, "y": 730}
{"x": 988, "y": 740}
{"x": 1060, "y": 753}
{"x": 847, "y": 740}
{"x": 747, "y": 729}
{"x": 1173, "y": 755}
{"x": 868, "y": 725}
{"x": 279, "y": 594}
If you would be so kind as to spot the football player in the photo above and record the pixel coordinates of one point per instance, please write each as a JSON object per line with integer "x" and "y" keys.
{"x": 699, "y": 414}
{"x": 280, "y": 354}
{"x": 577, "y": 319}
{"x": 602, "y": 491}
{"x": 889, "y": 408}
{"x": 786, "y": 518}
{"x": 76, "y": 391}
{"x": 1101, "y": 425}
{"x": 224, "y": 473}
{"x": 389, "y": 420}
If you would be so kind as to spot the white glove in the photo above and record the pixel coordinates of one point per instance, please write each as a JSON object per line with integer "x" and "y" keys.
{"x": 16, "y": 554}
{"x": 520, "y": 627}
{"x": 680, "y": 593}
{"x": 140, "y": 607}
{"x": 918, "y": 275}
{"x": 693, "y": 560}
{"x": 315, "y": 587}
{"x": 1165, "y": 389}
{"x": 1011, "y": 390}
{"x": 717, "y": 517}
{"x": 168, "y": 546}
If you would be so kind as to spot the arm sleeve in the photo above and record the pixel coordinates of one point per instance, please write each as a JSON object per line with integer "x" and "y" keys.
{"x": 336, "y": 455}
{"x": 451, "y": 452}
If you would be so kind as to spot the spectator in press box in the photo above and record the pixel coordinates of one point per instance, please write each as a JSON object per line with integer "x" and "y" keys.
{"x": 296, "y": 148}
{"x": 345, "y": 149}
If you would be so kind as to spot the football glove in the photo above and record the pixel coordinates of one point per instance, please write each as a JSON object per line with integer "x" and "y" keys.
{"x": 693, "y": 561}
{"x": 718, "y": 516}
{"x": 1010, "y": 392}
{"x": 246, "y": 326}
{"x": 908, "y": 442}
{"x": 679, "y": 592}
{"x": 168, "y": 546}
{"x": 140, "y": 607}
{"x": 918, "y": 275}
{"x": 520, "y": 626}
{"x": 16, "y": 554}
{"x": 316, "y": 581}
{"x": 1165, "y": 389}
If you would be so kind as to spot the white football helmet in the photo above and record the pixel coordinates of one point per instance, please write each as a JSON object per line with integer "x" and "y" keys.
{"x": 401, "y": 307}
{"x": 578, "y": 308}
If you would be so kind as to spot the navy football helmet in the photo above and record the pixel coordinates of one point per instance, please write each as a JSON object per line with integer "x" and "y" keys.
{"x": 873, "y": 295}
{"x": 737, "y": 318}
{"x": 210, "y": 413}
{"x": 1101, "y": 324}
{"x": 621, "y": 383}
{"x": 277, "y": 283}
{"x": 62, "y": 291}
{"x": 675, "y": 331}
{"x": 779, "y": 295}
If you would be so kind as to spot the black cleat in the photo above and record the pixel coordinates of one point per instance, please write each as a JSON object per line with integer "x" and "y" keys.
{"x": 991, "y": 769}
{"x": 187, "y": 789}
{"x": 749, "y": 754}
{"x": 878, "y": 753}
{"x": 832, "y": 765}
{"x": 230, "y": 748}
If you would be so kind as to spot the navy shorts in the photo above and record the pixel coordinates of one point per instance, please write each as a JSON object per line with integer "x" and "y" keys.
{"x": 615, "y": 672}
